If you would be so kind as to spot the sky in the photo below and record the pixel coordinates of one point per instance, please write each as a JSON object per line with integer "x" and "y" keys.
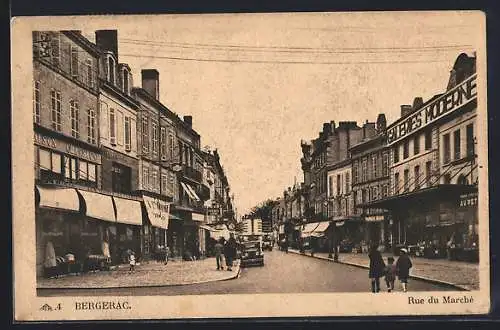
{"x": 258, "y": 84}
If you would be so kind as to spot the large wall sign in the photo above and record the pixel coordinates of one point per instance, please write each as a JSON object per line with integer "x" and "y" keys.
{"x": 67, "y": 148}
{"x": 454, "y": 99}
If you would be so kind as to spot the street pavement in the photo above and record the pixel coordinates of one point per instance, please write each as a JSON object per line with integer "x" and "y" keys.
{"x": 145, "y": 274}
{"x": 460, "y": 274}
{"x": 282, "y": 273}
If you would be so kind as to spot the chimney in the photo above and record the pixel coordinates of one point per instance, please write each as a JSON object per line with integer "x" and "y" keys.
{"x": 151, "y": 82}
{"x": 189, "y": 121}
{"x": 405, "y": 109}
{"x": 107, "y": 40}
{"x": 417, "y": 103}
{"x": 381, "y": 122}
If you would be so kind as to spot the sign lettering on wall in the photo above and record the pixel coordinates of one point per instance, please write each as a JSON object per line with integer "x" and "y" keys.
{"x": 445, "y": 104}
{"x": 71, "y": 149}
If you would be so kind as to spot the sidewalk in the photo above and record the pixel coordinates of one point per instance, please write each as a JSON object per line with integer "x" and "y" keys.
{"x": 462, "y": 275}
{"x": 146, "y": 274}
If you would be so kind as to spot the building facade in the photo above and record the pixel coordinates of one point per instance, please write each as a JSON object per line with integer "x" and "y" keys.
{"x": 67, "y": 157}
{"x": 370, "y": 182}
{"x": 433, "y": 168}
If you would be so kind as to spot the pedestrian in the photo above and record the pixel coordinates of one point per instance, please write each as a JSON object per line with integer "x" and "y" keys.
{"x": 377, "y": 267}
{"x": 131, "y": 261}
{"x": 230, "y": 251}
{"x": 219, "y": 247}
{"x": 285, "y": 245}
{"x": 390, "y": 274}
{"x": 167, "y": 253}
{"x": 403, "y": 266}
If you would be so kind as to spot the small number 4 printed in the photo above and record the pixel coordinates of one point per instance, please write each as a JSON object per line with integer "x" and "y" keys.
{"x": 48, "y": 308}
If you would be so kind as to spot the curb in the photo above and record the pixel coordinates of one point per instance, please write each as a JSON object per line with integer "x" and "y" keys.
{"x": 417, "y": 277}
{"x": 232, "y": 277}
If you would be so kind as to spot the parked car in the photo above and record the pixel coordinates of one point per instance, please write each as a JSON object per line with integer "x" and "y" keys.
{"x": 251, "y": 253}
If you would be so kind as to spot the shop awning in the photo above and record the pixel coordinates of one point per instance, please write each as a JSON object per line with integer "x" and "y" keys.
{"x": 128, "y": 211}
{"x": 320, "y": 229}
{"x": 98, "y": 206}
{"x": 308, "y": 229}
{"x": 190, "y": 191}
{"x": 442, "y": 191}
{"x": 58, "y": 198}
{"x": 158, "y": 211}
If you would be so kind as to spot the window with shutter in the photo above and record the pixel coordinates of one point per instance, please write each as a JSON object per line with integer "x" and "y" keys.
{"x": 119, "y": 128}
{"x": 128, "y": 133}
{"x": 163, "y": 143}
{"x": 112, "y": 126}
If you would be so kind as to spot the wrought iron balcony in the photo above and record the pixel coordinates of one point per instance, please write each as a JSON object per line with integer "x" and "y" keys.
{"x": 191, "y": 173}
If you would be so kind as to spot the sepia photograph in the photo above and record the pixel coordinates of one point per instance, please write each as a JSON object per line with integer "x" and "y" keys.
{"x": 250, "y": 165}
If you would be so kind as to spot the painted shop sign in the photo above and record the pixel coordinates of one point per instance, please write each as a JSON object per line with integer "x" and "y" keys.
{"x": 445, "y": 104}
{"x": 67, "y": 148}
{"x": 468, "y": 200}
{"x": 158, "y": 211}
{"x": 117, "y": 156}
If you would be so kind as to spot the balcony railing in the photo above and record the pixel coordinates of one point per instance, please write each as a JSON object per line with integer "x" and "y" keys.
{"x": 191, "y": 173}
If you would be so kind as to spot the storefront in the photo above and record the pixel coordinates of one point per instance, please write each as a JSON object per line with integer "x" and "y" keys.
{"x": 314, "y": 235}
{"x": 156, "y": 227}
{"x": 349, "y": 233}
{"x": 123, "y": 170}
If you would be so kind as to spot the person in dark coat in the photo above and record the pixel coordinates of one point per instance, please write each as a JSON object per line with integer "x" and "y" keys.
{"x": 230, "y": 251}
{"x": 403, "y": 266}
{"x": 219, "y": 247}
{"x": 377, "y": 267}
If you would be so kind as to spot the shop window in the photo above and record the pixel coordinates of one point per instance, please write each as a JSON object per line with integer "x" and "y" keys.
{"x": 92, "y": 172}
{"x": 91, "y": 134}
{"x": 456, "y": 144}
{"x": 396, "y": 153}
{"x": 75, "y": 118}
{"x": 416, "y": 145}
{"x": 50, "y": 164}
{"x": 428, "y": 139}
{"x": 470, "y": 140}
{"x": 56, "y": 110}
{"x": 446, "y": 148}
{"x": 73, "y": 63}
{"x": 36, "y": 101}
{"x": 128, "y": 134}
{"x": 44, "y": 159}
{"x": 70, "y": 168}
{"x": 406, "y": 149}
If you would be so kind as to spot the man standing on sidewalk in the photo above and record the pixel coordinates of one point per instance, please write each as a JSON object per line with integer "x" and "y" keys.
{"x": 230, "y": 251}
{"x": 218, "y": 253}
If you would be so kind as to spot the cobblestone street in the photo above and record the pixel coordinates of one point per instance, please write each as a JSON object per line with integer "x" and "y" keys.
{"x": 461, "y": 274}
{"x": 147, "y": 274}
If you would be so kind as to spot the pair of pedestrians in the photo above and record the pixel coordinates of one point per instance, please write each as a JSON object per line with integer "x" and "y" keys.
{"x": 226, "y": 249}
{"x": 379, "y": 269}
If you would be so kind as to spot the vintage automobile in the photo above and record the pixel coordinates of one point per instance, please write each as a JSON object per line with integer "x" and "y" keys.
{"x": 251, "y": 253}
{"x": 267, "y": 242}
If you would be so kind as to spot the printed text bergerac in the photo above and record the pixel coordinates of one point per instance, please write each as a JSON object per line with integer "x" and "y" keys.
{"x": 452, "y": 100}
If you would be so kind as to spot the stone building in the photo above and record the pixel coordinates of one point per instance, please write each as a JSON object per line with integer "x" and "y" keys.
{"x": 433, "y": 168}
{"x": 68, "y": 170}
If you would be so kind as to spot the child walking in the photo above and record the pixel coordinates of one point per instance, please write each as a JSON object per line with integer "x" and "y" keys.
{"x": 403, "y": 266}
{"x": 131, "y": 259}
{"x": 390, "y": 274}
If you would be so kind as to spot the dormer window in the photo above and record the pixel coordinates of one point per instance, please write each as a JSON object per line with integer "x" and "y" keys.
{"x": 125, "y": 80}
{"x": 111, "y": 70}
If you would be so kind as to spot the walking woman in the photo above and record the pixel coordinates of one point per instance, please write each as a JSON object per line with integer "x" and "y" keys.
{"x": 403, "y": 266}
{"x": 230, "y": 252}
{"x": 377, "y": 266}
